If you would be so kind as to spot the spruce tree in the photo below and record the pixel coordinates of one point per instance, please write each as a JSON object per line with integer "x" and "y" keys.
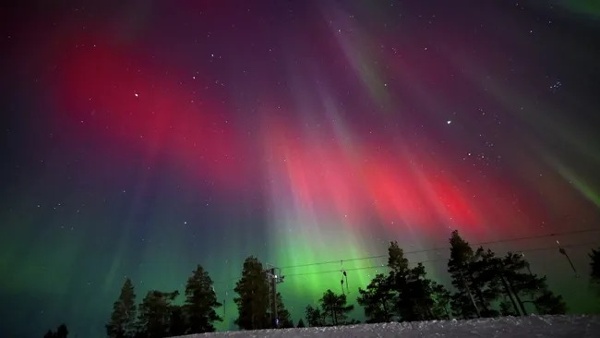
{"x": 300, "y": 324}
{"x": 334, "y": 307}
{"x": 155, "y": 314}
{"x": 253, "y": 300}
{"x": 123, "y": 318}
{"x": 200, "y": 302}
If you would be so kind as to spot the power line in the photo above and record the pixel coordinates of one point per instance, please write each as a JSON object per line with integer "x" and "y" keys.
{"x": 335, "y": 271}
{"x": 540, "y": 236}
{"x": 438, "y": 259}
{"x": 228, "y": 290}
{"x": 333, "y": 262}
{"x": 426, "y": 250}
{"x": 445, "y": 248}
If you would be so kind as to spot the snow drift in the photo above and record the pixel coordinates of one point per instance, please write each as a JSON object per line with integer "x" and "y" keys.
{"x": 531, "y": 326}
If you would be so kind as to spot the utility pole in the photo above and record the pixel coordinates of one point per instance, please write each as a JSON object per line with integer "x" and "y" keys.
{"x": 273, "y": 273}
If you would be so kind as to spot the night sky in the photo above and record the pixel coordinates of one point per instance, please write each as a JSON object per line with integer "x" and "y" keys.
{"x": 141, "y": 138}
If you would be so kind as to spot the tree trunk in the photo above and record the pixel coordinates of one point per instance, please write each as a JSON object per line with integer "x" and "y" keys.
{"x": 517, "y": 297}
{"x": 508, "y": 293}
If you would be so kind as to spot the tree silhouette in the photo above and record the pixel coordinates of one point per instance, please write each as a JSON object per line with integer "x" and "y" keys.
{"x": 253, "y": 300}
{"x": 377, "y": 300}
{"x": 415, "y": 296}
{"x": 334, "y": 307}
{"x": 472, "y": 278}
{"x": 177, "y": 323}
{"x": 61, "y": 332}
{"x": 200, "y": 302}
{"x": 123, "y": 318}
{"x": 595, "y": 269}
{"x": 155, "y": 314}
{"x": 441, "y": 300}
{"x": 283, "y": 315}
{"x": 314, "y": 317}
{"x": 485, "y": 271}
{"x": 396, "y": 260}
{"x": 405, "y": 292}
{"x": 300, "y": 324}
{"x": 526, "y": 285}
{"x": 482, "y": 279}
{"x": 547, "y": 303}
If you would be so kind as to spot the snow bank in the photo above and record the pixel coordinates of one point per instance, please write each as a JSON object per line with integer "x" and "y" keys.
{"x": 531, "y": 326}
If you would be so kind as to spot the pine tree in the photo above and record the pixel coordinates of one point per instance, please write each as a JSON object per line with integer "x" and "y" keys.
{"x": 441, "y": 300}
{"x": 377, "y": 300}
{"x": 472, "y": 278}
{"x": 416, "y": 301}
{"x": 484, "y": 271}
{"x": 414, "y": 294}
{"x": 396, "y": 260}
{"x": 314, "y": 317}
{"x": 334, "y": 307}
{"x": 123, "y": 319}
{"x": 405, "y": 292}
{"x": 253, "y": 300}
{"x": 200, "y": 302}
{"x": 547, "y": 303}
{"x": 300, "y": 324}
{"x": 155, "y": 314}
{"x": 528, "y": 287}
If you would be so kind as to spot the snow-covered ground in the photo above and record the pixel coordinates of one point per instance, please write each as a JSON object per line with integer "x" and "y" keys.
{"x": 531, "y": 326}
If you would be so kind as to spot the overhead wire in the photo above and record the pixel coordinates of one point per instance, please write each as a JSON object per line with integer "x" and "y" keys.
{"x": 445, "y": 248}
{"x": 564, "y": 233}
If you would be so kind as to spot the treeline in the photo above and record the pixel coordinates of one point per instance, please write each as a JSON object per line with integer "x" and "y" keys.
{"x": 485, "y": 285}
{"x": 158, "y": 316}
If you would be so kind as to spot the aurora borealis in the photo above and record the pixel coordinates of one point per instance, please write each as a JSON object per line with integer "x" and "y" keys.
{"x": 140, "y": 138}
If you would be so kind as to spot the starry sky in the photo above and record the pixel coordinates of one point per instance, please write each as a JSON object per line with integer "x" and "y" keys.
{"x": 140, "y": 138}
